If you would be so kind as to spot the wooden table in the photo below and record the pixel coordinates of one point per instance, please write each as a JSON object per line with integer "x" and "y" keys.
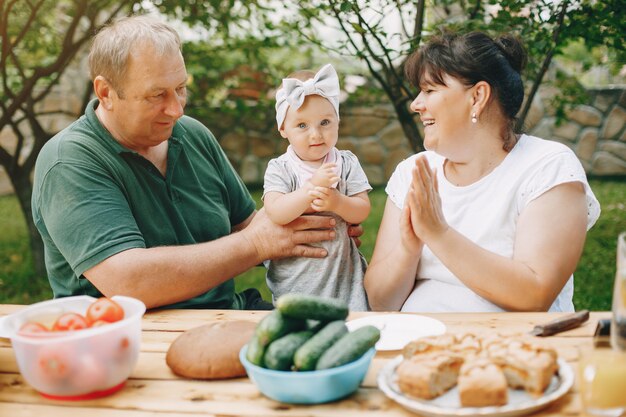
{"x": 153, "y": 390}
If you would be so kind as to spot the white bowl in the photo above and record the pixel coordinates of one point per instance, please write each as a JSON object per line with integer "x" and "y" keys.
{"x": 81, "y": 364}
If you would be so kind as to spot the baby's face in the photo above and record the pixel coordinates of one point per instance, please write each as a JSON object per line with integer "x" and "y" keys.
{"x": 313, "y": 129}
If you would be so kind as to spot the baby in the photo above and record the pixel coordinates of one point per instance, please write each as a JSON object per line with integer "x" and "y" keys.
{"x": 314, "y": 177}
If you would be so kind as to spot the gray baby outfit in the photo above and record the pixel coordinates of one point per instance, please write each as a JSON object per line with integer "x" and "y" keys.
{"x": 340, "y": 273}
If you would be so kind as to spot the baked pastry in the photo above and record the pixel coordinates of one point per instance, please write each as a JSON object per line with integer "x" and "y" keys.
{"x": 526, "y": 364}
{"x": 482, "y": 383}
{"x": 428, "y": 345}
{"x": 210, "y": 351}
{"x": 483, "y": 366}
{"x": 467, "y": 345}
{"x": 429, "y": 375}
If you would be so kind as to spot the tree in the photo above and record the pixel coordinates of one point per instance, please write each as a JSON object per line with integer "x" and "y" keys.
{"x": 363, "y": 31}
{"x": 39, "y": 39}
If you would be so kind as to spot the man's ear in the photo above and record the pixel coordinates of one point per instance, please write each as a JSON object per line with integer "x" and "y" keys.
{"x": 481, "y": 93}
{"x": 103, "y": 91}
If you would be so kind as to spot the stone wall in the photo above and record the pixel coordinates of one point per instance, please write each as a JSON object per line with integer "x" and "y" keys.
{"x": 596, "y": 131}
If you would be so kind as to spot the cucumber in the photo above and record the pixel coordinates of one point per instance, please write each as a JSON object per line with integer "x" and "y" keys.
{"x": 312, "y": 307}
{"x": 279, "y": 354}
{"x": 349, "y": 348}
{"x": 307, "y": 355}
{"x": 276, "y": 325}
{"x": 255, "y": 351}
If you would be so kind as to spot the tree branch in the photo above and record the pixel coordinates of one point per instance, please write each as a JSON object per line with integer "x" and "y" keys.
{"x": 544, "y": 66}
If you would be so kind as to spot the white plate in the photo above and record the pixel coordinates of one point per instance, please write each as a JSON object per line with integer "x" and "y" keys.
{"x": 448, "y": 404}
{"x": 396, "y": 330}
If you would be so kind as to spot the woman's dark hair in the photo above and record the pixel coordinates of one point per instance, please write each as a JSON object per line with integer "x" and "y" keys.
{"x": 474, "y": 57}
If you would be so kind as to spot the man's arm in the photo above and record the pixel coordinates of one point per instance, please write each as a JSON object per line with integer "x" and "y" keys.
{"x": 164, "y": 275}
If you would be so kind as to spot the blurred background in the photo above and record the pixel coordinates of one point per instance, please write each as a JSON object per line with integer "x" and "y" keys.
{"x": 238, "y": 51}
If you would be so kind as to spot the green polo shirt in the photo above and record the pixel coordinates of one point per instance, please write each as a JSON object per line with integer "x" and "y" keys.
{"x": 93, "y": 198}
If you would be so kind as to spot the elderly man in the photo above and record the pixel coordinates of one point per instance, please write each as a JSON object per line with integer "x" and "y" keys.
{"x": 135, "y": 198}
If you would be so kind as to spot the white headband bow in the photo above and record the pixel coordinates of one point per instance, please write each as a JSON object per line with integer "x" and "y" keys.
{"x": 293, "y": 91}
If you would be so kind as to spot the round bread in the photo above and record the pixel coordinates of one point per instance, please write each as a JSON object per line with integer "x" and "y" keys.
{"x": 210, "y": 351}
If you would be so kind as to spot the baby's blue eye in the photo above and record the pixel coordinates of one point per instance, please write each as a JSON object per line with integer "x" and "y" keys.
{"x": 301, "y": 125}
{"x": 325, "y": 122}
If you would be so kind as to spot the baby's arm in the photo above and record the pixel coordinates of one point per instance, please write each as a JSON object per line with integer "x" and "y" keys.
{"x": 353, "y": 209}
{"x": 284, "y": 208}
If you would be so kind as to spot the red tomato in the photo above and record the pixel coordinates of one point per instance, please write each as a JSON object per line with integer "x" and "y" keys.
{"x": 31, "y": 327}
{"x": 105, "y": 309}
{"x": 54, "y": 362}
{"x": 70, "y": 321}
{"x": 90, "y": 374}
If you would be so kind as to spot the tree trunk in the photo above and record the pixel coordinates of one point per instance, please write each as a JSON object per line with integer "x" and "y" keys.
{"x": 23, "y": 190}
{"x": 409, "y": 126}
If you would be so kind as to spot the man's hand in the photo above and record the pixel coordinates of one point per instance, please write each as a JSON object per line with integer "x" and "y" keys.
{"x": 273, "y": 241}
{"x": 325, "y": 175}
{"x": 355, "y": 231}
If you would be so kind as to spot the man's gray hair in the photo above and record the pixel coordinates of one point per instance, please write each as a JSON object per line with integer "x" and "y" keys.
{"x": 114, "y": 43}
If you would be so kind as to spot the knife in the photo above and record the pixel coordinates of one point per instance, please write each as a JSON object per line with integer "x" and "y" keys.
{"x": 561, "y": 324}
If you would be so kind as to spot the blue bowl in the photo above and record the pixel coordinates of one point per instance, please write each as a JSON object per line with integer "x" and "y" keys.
{"x": 310, "y": 387}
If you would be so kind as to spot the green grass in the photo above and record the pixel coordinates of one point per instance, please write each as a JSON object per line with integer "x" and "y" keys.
{"x": 17, "y": 281}
{"x": 593, "y": 278}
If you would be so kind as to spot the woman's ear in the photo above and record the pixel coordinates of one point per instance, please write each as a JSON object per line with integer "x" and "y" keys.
{"x": 103, "y": 91}
{"x": 480, "y": 97}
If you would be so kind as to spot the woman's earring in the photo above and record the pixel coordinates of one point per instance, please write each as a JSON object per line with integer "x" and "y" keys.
{"x": 474, "y": 118}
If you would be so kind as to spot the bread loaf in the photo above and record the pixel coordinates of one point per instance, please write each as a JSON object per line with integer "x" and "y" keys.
{"x": 210, "y": 351}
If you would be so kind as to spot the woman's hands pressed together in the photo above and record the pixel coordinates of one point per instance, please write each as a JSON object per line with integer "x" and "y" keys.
{"x": 422, "y": 214}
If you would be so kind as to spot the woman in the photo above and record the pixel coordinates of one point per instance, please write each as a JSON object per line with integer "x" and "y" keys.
{"x": 489, "y": 220}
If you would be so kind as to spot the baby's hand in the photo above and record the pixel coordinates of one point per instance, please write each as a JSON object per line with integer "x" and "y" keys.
{"x": 324, "y": 198}
{"x": 325, "y": 175}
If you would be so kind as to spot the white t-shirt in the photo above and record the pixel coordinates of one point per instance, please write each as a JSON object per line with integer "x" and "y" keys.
{"x": 486, "y": 212}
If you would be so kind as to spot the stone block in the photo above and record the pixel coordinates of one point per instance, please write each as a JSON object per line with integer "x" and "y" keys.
{"x": 249, "y": 170}
{"x": 568, "y": 131}
{"x": 586, "y": 145}
{"x": 616, "y": 148}
{"x": 371, "y": 152}
{"x": 614, "y": 123}
{"x": 605, "y": 163}
{"x": 261, "y": 147}
{"x": 394, "y": 158}
{"x": 544, "y": 129}
{"x": 348, "y": 144}
{"x": 585, "y": 115}
{"x": 234, "y": 144}
{"x": 281, "y": 145}
{"x": 535, "y": 114}
{"x": 8, "y": 140}
{"x": 367, "y": 125}
{"x": 375, "y": 175}
{"x": 392, "y": 136}
{"x": 547, "y": 94}
{"x": 604, "y": 100}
